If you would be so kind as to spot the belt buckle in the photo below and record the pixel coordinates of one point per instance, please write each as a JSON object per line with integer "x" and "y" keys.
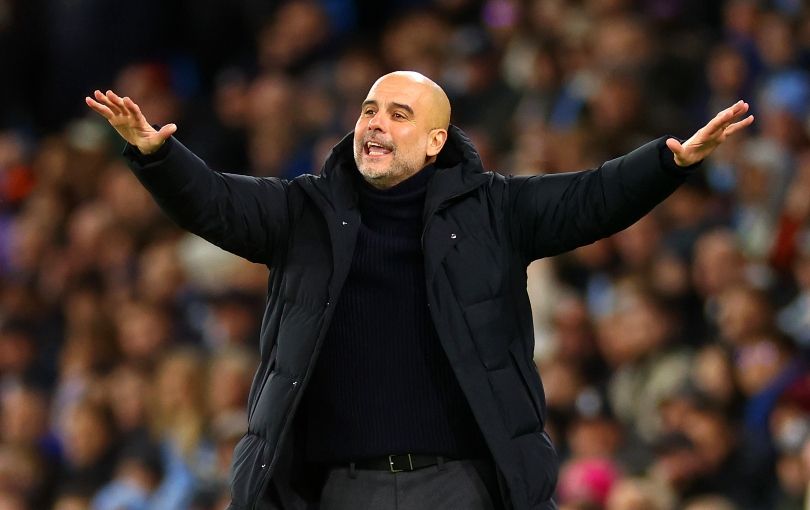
{"x": 391, "y": 464}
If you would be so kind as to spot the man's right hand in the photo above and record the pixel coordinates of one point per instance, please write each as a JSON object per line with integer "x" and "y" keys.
{"x": 126, "y": 117}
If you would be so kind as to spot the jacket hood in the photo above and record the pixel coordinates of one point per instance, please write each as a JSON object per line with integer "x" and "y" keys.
{"x": 457, "y": 151}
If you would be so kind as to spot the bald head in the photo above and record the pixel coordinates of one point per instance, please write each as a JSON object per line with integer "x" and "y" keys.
{"x": 402, "y": 127}
{"x": 435, "y": 100}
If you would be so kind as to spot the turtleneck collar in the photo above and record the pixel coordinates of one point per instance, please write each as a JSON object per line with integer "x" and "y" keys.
{"x": 416, "y": 182}
{"x": 402, "y": 202}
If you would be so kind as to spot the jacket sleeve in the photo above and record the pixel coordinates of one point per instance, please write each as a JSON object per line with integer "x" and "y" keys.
{"x": 244, "y": 215}
{"x": 555, "y": 213}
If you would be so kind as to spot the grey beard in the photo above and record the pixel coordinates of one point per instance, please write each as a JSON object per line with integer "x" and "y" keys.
{"x": 379, "y": 179}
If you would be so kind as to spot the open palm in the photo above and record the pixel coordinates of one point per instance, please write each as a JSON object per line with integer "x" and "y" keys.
{"x": 126, "y": 117}
{"x": 707, "y": 138}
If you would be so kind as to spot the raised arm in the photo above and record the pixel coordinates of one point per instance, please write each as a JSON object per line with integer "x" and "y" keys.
{"x": 559, "y": 212}
{"x": 241, "y": 214}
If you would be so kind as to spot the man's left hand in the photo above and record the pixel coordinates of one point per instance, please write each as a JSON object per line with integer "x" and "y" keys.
{"x": 707, "y": 138}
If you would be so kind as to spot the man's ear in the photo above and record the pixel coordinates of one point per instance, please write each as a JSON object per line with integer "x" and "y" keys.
{"x": 436, "y": 139}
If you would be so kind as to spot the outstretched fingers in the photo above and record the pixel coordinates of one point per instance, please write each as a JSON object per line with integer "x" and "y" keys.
{"x": 99, "y": 108}
{"x": 733, "y": 128}
{"x": 125, "y": 116}
{"x": 707, "y": 138}
{"x": 115, "y": 108}
{"x": 131, "y": 107}
{"x": 112, "y": 105}
{"x": 104, "y": 100}
{"x": 724, "y": 118}
{"x": 116, "y": 102}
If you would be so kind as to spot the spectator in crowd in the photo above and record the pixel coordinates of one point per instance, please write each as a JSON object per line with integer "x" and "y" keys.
{"x": 648, "y": 365}
{"x": 639, "y": 494}
{"x": 138, "y": 473}
{"x": 89, "y": 445}
{"x": 790, "y": 428}
{"x": 742, "y": 312}
{"x": 709, "y": 503}
{"x": 766, "y": 365}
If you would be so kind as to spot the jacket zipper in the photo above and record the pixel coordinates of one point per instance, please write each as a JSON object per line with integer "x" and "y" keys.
{"x": 325, "y": 322}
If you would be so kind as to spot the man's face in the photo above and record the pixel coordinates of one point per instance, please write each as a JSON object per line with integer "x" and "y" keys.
{"x": 392, "y": 134}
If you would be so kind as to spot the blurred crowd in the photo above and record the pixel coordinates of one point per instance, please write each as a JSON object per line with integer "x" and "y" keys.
{"x": 674, "y": 354}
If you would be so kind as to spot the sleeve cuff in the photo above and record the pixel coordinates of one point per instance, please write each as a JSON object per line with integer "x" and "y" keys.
{"x": 132, "y": 153}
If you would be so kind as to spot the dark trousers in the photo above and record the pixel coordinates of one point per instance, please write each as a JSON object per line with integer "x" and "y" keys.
{"x": 452, "y": 485}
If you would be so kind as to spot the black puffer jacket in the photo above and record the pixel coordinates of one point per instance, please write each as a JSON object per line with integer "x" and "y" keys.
{"x": 481, "y": 231}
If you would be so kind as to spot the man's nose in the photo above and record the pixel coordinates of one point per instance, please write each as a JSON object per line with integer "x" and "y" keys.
{"x": 376, "y": 123}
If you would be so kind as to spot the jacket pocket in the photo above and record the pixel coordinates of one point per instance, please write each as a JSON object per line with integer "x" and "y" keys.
{"x": 492, "y": 327}
{"x": 250, "y": 469}
{"x": 517, "y": 409}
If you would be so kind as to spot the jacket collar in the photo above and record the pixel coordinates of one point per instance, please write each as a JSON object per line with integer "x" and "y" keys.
{"x": 459, "y": 170}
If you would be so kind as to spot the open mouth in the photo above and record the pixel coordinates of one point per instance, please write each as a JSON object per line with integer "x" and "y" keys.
{"x": 375, "y": 149}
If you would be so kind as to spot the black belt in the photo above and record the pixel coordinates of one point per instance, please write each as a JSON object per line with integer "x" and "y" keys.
{"x": 398, "y": 463}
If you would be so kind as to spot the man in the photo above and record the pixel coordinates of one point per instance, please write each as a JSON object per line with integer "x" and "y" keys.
{"x": 396, "y": 348}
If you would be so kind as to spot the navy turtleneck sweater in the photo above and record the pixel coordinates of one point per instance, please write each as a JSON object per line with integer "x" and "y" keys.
{"x": 382, "y": 384}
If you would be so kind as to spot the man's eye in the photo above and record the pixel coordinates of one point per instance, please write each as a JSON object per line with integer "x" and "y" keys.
{"x": 399, "y": 116}
{"x": 368, "y": 112}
